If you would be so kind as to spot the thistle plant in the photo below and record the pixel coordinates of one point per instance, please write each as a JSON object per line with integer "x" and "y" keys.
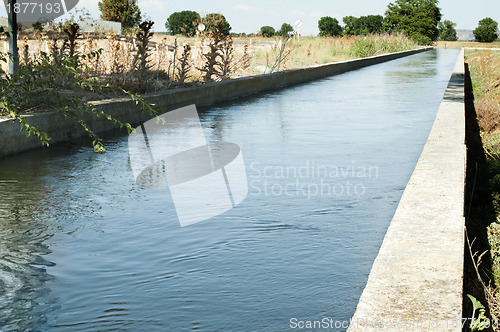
{"x": 143, "y": 38}
{"x": 184, "y": 65}
{"x": 213, "y": 56}
{"x": 25, "y": 53}
{"x": 226, "y": 63}
{"x": 72, "y": 32}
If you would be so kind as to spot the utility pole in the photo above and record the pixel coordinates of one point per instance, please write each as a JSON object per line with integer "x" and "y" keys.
{"x": 13, "y": 56}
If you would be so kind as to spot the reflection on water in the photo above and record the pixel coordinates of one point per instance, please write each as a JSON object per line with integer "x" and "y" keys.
{"x": 23, "y": 245}
{"x": 123, "y": 262}
{"x": 413, "y": 72}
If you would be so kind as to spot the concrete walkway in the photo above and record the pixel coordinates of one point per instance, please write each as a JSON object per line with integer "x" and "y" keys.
{"x": 416, "y": 280}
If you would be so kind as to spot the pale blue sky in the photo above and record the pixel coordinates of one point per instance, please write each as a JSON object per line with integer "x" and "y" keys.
{"x": 249, "y": 16}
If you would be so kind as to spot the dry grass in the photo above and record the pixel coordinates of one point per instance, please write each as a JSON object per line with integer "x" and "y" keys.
{"x": 252, "y": 56}
{"x": 310, "y": 51}
{"x": 484, "y": 66}
{"x": 461, "y": 44}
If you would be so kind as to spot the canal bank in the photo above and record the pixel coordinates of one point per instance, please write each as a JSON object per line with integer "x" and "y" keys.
{"x": 416, "y": 280}
{"x": 61, "y": 129}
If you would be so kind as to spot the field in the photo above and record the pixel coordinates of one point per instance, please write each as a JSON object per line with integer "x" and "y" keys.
{"x": 245, "y": 56}
{"x": 460, "y": 44}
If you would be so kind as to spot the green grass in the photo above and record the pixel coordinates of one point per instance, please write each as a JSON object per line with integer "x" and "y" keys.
{"x": 319, "y": 50}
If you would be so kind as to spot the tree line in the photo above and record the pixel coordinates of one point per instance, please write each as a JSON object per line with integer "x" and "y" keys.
{"x": 418, "y": 19}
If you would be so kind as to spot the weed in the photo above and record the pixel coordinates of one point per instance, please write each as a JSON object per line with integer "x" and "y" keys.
{"x": 212, "y": 57}
{"x": 226, "y": 59}
{"x": 278, "y": 55}
{"x": 25, "y": 54}
{"x": 143, "y": 38}
{"x": 481, "y": 322}
{"x": 72, "y": 32}
{"x": 184, "y": 65}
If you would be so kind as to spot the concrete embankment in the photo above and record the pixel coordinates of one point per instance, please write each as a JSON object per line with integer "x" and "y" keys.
{"x": 416, "y": 280}
{"x": 61, "y": 129}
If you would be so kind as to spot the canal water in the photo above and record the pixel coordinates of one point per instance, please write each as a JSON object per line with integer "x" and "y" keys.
{"x": 83, "y": 248}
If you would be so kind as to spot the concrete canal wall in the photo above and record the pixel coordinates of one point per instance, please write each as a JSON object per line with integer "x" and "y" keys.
{"x": 416, "y": 280}
{"x": 61, "y": 129}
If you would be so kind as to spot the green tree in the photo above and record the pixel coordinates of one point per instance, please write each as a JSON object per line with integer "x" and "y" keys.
{"x": 329, "y": 26}
{"x": 363, "y": 25}
{"x": 417, "y": 18}
{"x": 486, "y": 32}
{"x": 370, "y": 24}
{"x": 124, "y": 11}
{"x": 350, "y": 25}
{"x": 184, "y": 22}
{"x": 447, "y": 31}
{"x": 213, "y": 20}
{"x": 285, "y": 29}
{"x": 267, "y": 31}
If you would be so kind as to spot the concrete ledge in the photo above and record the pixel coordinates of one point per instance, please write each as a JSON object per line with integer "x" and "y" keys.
{"x": 62, "y": 129}
{"x": 416, "y": 280}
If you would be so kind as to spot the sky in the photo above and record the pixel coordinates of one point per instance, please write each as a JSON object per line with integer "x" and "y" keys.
{"x": 249, "y": 16}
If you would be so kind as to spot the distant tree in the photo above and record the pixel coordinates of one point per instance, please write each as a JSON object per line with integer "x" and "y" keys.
{"x": 211, "y": 22}
{"x": 267, "y": 31}
{"x": 350, "y": 25}
{"x": 124, "y": 11}
{"x": 417, "y": 18}
{"x": 184, "y": 22}
{"x": 370, "y": 24}
{"x": 363, "y": 25}
{"x": 486, "y": 32}
{"x": 329, "y": 26}
{"x": 447, "y": 31}
{"x": 285, "y": 29}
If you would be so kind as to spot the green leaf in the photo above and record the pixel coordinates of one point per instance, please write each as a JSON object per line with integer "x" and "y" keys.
{"x": 475, "y": 303}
